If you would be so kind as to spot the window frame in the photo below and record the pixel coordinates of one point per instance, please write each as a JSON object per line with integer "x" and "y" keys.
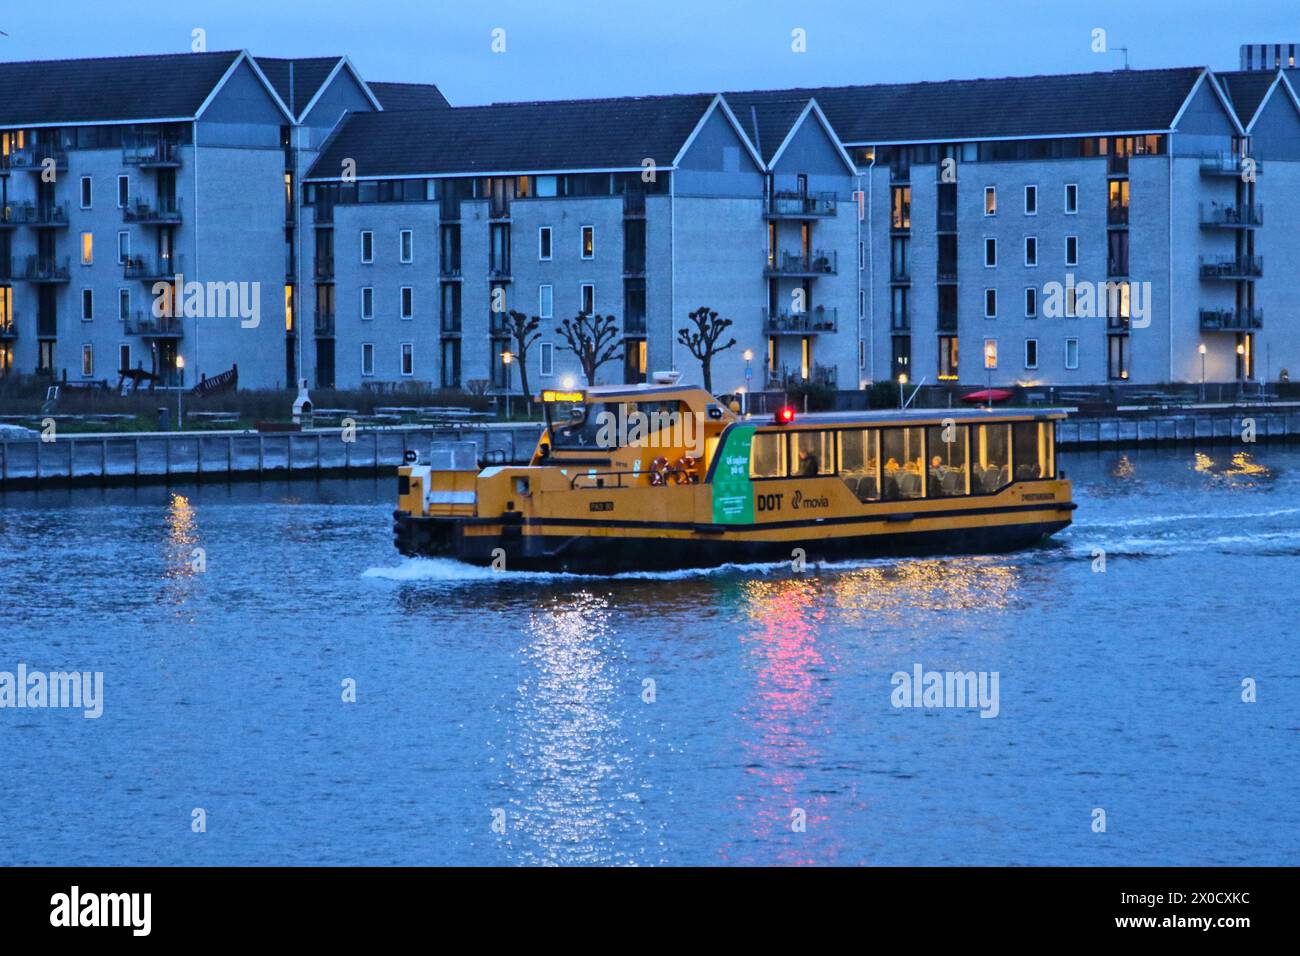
{"x": 582, "y": 297}
{"x": 1071, "y": 341}
{"x": 1071, "y": 190}
{"x": 1075, "y": 262}
{"x": 991, "y": 295}
{"x": 1031, "y": 189}
{"x": 87, "y": 304}
{"x": 87, "y": 360}
{"x": 990, "y": 192}
{"x": 406, "y": 356}
{"x": 368, "y": 298}
{"x": 1034, "y": 343}
{"x": 990, "y": 244}
{"x": 1028, "y": 263}
{"x": 367, "y": 349}
{"x": 1031, "y": 292}
{"x": 405, "y": 246}
{"x": 582, "y": 242}
{"x": 406, "y": 303}
{"x": 367, "y": 239}
{"x": 545, "y": 231}
{"x": 86, "y": 192}
{"x": 546, "y": 359}
{"x": 546, "y": 311}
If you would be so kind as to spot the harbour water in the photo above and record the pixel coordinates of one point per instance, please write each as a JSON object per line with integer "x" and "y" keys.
{"x": 737, "y": 716}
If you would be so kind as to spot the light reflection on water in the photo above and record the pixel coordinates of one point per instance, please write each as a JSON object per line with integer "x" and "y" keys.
{"x": 523, "y": 692}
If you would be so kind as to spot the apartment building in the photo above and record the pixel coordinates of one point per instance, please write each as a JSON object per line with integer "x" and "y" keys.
{"x": 1050, "y": 230}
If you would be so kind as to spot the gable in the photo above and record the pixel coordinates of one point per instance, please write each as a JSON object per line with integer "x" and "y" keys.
{"x": 343, "y": 94}
{"x": 1276, "y": 131}
{"x": 242, "y": 113}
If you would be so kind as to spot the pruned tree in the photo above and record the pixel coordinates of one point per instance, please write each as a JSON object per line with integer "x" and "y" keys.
{"x": 523, "y": 331}
{"x": 593, "y": 339}
{"x": 703, "y": 340}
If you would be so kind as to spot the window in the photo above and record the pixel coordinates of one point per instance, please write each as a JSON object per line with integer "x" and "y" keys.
{"x": 901, "y": 453}
{"x": 1117, "y": 357}
{"x": 408, "y": 305}
{"x": 544, "y": 243}
{"x": 859, "y": 461}
{"x": 87, "y": 248}
{"x": 408, "y": 358}
{"x": 990, "y": 253}
{"x": 767, "y": 455}
{"x": 1031, "y": 450}
{"x": 123, "y": 304}
{"x": 1031, "y": 303}
{"x": 367, "y": 303}
{"x": 88, "y": 360}
{"x": 990, "y": 303}
{"x": 862, "y": 256}
{"x": 948, "y": 357}
{"x": 1071, "y": 353}
{"x": 1031, "y": 353}
{"x": 990, "y": 353}
{"x": 1071, "y": 198}
{"x": 123, "y": 191}
{"x": 1031, "y": 250}
{"x": 1071, "y": 250}
{"x": 1031, "y": 200}
{"x": 367, "y": 246}
{"x": 87, "y": 305}
{"x": 123, "y": 358}
{"x": 85, "y": 192}
{"x": 406, "y": 245}
{"x": 900, "y": 212}
{"x": 546, "y": 358}
{"x": 862, "y": 303}
{"x": 946, "y": 447}
{"x": 123, "y": 247}
{"x": 991, "y": 458}
{"x": 588, "y": 242}
{"x": 545, "y": 301}
{"x": 990, "y": 201}
{"x": 367, "y": 358}
{"x": 587, "y": 295}
{"x": 812, "y": 453}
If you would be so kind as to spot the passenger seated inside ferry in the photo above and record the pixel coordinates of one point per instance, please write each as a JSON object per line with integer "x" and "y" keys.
{"x": 901, "y": 481}
{"x": 812, "y": 453}
{"x": 807, "y": 464}
{"x": 859, "y": 462}
{"x": 947, "y": 473}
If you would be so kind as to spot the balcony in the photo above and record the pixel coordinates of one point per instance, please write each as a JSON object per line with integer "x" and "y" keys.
{"x": 449, "y": 270}
{"x": 324, "y": 324}
{"x": 10, "y": 217}
{"x": 1117, "y": 267}
{"x": 450, "y": 327}
{"x": 8, "y": 327}
{"x": 499, "y": 272}
{"x": 633, "y": 263}
{"x": 1227, "y": 164}
{"x": 900, "y": 273}
{"x": 498, "y": 209}
{"x": 947, "y": 319}
{"x": 153, "y": 268}
{"x": 634, "y": 325}
{"x": 787, "y": 379}
{"x": 788, "y": 264}
{"x": 323, "y": 268}
{"x": 160, "y": 211}
{"x": 1117, "y": 165}
{"x": 1116, "y": 214}
{"x": 1231, "y": 320}
{"x": 946, "y": 271}
{"x": 33, "y": 158}
{"x": 46, "y": 270}
{"x": 151, "y": 153}
{"x": 1118, "y": 324}
{"x": 946, "y": 220}
{"x": 46, "y": 215}
{"x": 820, "y": 319}
{"x": 900, "y": 321}
{"x": 150, "y": 326}
{"x": 793, "y": 205}
{"x": 1231, "y": 217}
{"x": 499, "y": 325}
{"x": 1232, "y": 268}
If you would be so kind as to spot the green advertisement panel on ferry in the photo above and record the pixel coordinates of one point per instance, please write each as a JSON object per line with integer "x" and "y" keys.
{"x": 733, "y": 494}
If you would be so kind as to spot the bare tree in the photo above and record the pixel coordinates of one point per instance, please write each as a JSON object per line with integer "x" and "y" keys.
{"x": 523, "y": 331}
{"x": 593, "y": 339}
{"x": 703, "y": 341}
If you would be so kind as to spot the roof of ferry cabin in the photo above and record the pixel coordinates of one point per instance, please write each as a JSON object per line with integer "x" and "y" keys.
{"x": 568, "y": 135}
{"x": 109, "y": 89}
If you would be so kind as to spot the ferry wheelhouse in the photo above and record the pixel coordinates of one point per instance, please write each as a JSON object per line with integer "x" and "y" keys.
{"x": 665, "y": 477}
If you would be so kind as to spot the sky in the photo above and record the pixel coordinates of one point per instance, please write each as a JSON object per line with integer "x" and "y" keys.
{"x": 559, "y": 48}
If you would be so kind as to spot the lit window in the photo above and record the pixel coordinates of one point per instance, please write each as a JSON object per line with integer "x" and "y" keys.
{"x": 87, "y": 248}
{"x": 88, "y": 360}
{"x": 990, "y": 201}
{"x": 588, "y": 242}
{"x": 408, "y": 358}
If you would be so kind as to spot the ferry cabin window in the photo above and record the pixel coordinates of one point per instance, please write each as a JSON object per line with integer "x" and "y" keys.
{"x": 946, "y": 473}
{"x": 903, "y": 456}
{"x": 812, "y": 453}
{"x": 580, "y": 430}
{"x": 767, "y": 455}
{"x": 1031, "y": 455}
{"x": 990, "y": 457}
{"x": 859, "y": 460}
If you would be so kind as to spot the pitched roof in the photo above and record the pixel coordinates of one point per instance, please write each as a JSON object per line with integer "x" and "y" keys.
{"x": 109, "y": 89}
{"x": 1246, "y": 90}
{"x": 305, "y": 75}
{"x": 409, "y": 96}
{"x": 515, "y": 137}
{"x": 1018, "y": 106}
{"x": 767, "y": 120}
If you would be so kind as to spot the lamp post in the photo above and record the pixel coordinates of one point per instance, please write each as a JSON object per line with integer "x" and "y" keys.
{"x": 1201, "y": 348}
{"x": 180, "y": 387}
{"x": 902, "y": 380}
{"x": 506, "y": 358}
{"x": 749, "y": 374}
{"x": 990, "y": 363}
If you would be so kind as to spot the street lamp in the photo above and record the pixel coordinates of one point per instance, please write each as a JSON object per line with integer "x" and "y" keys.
{"x": 1241, "y": 368}
{"x": 506, "y": 358}
{"x": 902, "y": 380}
{"x": 180, "y": 388}
{"x": 990, "y": 363}
{"x": 1201, "y": 348}
{"x": 749, "y": 374}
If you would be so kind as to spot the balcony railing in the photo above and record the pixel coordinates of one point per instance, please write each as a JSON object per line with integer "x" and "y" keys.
{"x": 820, "y": 319}
{"x": 323, "y": 267}
{"x": 946, "y": 220}
{"x": 1232, "y": 217}
{"x": 1116, "y": 214}
{"x": 786, "y": 378}
{"x": 450, "y": 325}
{"x": 1232, "y": 268}
{"x": 150, "y": 152}
{"x": 449, "y": 270}
{"x": 946, "y": 271}
{"x": 499, "y": 325}
{"x": 634, "y": 325}
{"x": 324, "y": 324}
{"x": 1227, "y": 164}
{"x": 157, "y": 211}
{"x": 154, "y": 327}
{"x": 1116, "y": 267}
{"x": 634, "y": 205}
{"x": 1117, "y": 165}
{"x": 790, "y": 264}
{"x": 34, "y": 158}
{"x": 900, "y": 321}
{"x": 153, "y": 268}
{"x": 947, "y": 319}
{"x": 47, "y": 269}
{"x": 793, "y": 205}
{"x": 9, "y": 326}
{"x": 1231, "y": 320}
{"x": 44, "y": 215}
{"x": 499, "y": 271}
{"x": 900, "y": 272}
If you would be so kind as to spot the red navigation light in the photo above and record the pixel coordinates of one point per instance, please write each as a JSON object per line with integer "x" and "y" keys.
{"x": 784, "y": 415}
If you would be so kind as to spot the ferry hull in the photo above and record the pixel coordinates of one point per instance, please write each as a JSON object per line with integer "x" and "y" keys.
{"x": 514, "y": 548}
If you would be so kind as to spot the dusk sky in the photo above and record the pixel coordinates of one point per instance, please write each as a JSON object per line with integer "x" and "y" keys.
{"x": 562, "y": 48}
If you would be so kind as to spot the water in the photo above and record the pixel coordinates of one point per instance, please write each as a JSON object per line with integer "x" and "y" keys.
{"x": 480, "y": 692}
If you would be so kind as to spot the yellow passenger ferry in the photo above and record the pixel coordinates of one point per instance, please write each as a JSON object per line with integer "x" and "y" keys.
{"x": 652, "y": 477}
